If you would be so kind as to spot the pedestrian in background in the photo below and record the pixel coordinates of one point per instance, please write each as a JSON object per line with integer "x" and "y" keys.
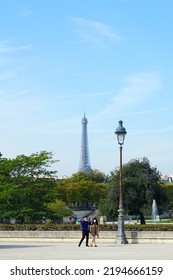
{"x": 85, "y": 231}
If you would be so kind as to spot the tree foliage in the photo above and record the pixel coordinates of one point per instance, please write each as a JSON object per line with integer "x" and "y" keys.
{"x": 141, "y": 184}
{"x": 168, "y": 190}
{"x": 94, "y": 175}
{"x": 59, "y": 209}
{"x": 26, "y": 187}
{"x": 28, "y": 192}
{"x": 83, "y": 189}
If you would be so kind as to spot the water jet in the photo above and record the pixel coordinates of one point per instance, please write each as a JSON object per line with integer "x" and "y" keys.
{"x": 154, "y": 211}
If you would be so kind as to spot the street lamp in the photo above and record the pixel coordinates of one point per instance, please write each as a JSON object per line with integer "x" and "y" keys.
{"x": 120, "y": 132}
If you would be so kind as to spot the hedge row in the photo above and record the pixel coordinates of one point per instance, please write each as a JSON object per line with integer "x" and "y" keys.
{"x": 68, "y": 227}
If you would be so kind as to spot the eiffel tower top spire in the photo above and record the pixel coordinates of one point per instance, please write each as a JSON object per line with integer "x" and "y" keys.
{"x": 84, "y": 164}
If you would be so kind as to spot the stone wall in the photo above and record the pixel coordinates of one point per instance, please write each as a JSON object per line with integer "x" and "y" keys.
{"x": 134, "y": 237}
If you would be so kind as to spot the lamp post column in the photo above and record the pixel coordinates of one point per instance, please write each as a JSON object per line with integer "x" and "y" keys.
{"x": 121, "y": 186}
{"x": 120, "y": 234}
{"x": 120, "y": 132}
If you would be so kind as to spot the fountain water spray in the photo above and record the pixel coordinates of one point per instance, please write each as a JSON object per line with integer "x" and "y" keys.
{"x": 154, "y": 211}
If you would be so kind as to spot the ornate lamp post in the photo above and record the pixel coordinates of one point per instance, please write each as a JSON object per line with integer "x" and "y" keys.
{"x": 120, "y": 132}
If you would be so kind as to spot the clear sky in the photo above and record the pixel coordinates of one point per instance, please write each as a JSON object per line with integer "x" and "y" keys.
{"x": 112, "y": 59}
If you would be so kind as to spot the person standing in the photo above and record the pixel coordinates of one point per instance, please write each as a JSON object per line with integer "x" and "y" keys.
{"x": 94, "y": 231}
{"x": 85, "y": 231}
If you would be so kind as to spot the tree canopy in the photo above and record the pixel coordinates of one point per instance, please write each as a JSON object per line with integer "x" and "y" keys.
{"x": 83, "y": 189}
{"x": 29, "y": 193}
{"x": 141, "y": 184}
{"x": 93, "y": 175}
{"x": 27, "y": 187}
{"x": 168, "y": 190}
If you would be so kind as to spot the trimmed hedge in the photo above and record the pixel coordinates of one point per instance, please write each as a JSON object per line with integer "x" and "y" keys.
{"x": 39, "y": 227}
{"x": 73, "y": 227}
{"x": 149, "y": 227}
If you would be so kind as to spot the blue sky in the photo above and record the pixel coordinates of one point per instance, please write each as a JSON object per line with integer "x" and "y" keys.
{"x": 111, "y": 59}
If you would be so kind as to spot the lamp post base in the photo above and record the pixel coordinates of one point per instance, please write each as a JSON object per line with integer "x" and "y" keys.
{"x": 120, "y": 234}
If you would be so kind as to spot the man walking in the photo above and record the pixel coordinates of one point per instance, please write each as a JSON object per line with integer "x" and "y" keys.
{"x": 85, "y": 231}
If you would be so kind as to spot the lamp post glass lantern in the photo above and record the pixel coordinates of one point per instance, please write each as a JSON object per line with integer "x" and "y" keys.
{"x": 120, "y": 132}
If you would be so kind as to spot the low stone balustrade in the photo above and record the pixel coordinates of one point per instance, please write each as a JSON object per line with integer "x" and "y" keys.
{"x": 133, "y": 237}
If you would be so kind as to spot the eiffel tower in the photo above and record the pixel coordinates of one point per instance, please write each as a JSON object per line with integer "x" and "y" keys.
{"x": 84, "y": 164}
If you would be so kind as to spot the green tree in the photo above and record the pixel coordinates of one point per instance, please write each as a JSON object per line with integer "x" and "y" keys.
{"x": 82, "y": 189}
{"x": 141, "y": 184}
{"x": 168, "y": 190}
{"x": 26, "y": 185}
{"x": 94, "y": 175}
{"x": 84, "y": 193}
{"x": 58, "y": 209}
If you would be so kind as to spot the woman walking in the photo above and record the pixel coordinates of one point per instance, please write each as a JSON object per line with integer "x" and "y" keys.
{"x": 94, "y": 231}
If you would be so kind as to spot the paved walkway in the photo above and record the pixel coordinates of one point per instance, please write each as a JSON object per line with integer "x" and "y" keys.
{"x": 71, "y": 251}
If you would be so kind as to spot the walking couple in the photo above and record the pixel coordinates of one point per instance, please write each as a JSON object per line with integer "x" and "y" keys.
{"x": 89, "y": 227}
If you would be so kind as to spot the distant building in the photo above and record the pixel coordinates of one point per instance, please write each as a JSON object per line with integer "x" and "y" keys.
{"x": 56, "y": 178}
{"x": 63, "y": 177}
{"x": 84, "y": 164}
{"x": 167, "y": 179}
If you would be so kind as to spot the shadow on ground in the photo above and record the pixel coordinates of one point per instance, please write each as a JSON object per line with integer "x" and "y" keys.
{"x": 17, "y": 246}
